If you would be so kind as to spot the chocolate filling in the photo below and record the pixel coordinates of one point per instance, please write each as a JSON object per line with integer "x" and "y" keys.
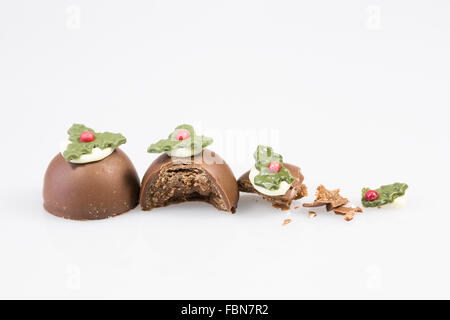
{"x": 169, "y": 181}
{"x": 180, "y": 183}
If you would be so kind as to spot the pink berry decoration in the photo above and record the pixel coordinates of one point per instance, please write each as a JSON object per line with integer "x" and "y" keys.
{"x": 87, "y": 136}
{"x": 182, "y": 134}
{"x": 371, "y": 195}
{"x": 274, "y": 166}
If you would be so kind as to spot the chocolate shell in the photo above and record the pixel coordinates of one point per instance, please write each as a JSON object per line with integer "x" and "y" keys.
{"x": 90, "y": 191}
{"x": 297, "y": 190}
{"x": 204, "y": 177}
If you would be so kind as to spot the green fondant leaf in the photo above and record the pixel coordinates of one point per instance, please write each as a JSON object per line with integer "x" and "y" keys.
{"x": 194, "y": 142}
{"x": 386, "y": 194}
{"x": 162, "y": 146}
{"x": 102, "y": 140}
{"x": 264, "y": 155}
{"x": 76, "y": 130}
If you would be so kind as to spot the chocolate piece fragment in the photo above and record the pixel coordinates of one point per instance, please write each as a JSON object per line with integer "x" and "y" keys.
{"x": 204, "y": 177}
{"x": 330, "y": 198}
{"x": 333, "y": 201}
{"x": 286, "y": 221}
{"x": 94, "y": 190}
{"x": 297, "y": 190}
{"x": 348, "y": 212}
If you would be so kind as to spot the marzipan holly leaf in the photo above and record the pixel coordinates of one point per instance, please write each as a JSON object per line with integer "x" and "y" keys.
{"x": 386, "y": 194}
{"x": 266, "y": 179}
{"x": 102, "y": 140}
{"x": 194, "y": 142}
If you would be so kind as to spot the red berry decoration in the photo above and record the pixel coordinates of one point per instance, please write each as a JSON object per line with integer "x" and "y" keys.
{"x": 371, "y": 195}
{"x": 274, "y": 166}
{"x": 87, "y": 136}
{"x": 182, "y": 134}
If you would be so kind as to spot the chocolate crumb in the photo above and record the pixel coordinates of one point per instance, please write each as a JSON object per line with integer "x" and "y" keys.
{"x": 334, "y": 202}
{"x": 312, "y": 214}
{"x": 296, "y": 207}
{"x": 286, "y": 221}
{"x": 347, "y": 212}
{"x": 329, "y": 198}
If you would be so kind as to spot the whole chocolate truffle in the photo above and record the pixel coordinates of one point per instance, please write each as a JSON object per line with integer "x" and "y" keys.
{"x": 94, "y": 190}
{"x": 203, "y": 177}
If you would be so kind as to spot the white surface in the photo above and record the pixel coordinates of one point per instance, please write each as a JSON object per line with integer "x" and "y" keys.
{"x": 354, "y": 92}
{"x": 96, "y": 154}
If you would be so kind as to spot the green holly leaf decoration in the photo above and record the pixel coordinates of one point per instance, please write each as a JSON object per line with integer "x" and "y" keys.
{"x": 102, "y": 140}
{"x": 386, "y": 194}
{"x": 195, "y": 143}
{"x": 264, "y": 155}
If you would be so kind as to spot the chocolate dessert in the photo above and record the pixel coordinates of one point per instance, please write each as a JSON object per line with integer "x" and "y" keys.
{"x": 188, "y": 172}
{"x": 278, "y": 182}
{"x": 91, "y": 178}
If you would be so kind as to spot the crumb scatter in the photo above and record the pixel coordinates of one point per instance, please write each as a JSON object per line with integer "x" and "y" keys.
{"x": 333, "y": 202}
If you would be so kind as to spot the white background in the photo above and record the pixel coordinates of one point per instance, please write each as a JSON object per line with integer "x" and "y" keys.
{"x": 356, "y": 93}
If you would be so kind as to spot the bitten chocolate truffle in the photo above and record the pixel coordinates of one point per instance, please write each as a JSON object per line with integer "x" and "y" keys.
{"x": 91, "y": 178}
{"x": 171, "y": 180}
{"x": 187, "y": 172}
{"x": 278, "y": 182}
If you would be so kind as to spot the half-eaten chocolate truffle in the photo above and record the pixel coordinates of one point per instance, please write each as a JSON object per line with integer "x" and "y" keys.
{"x": 188, "y": 172}
{"x": 91, "y": 178}
{"x": 278, "y": 182}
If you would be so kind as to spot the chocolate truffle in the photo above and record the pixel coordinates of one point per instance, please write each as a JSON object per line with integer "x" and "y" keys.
{"x": 91, "y": 179}
{"x": 278, "y": 182}
{"x": 188, "y": 172}
{"x": 171, "y": 180}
